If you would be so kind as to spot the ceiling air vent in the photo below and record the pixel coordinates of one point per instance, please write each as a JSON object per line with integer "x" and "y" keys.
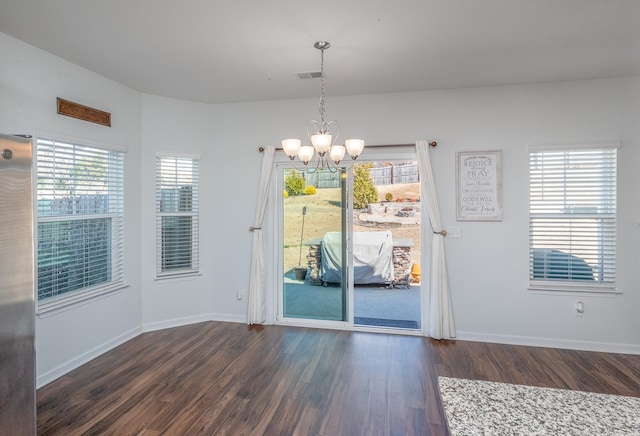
{"x": 309, "y": 75}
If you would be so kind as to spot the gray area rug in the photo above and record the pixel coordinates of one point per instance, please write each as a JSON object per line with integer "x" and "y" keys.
{"x": 475, "y": 407}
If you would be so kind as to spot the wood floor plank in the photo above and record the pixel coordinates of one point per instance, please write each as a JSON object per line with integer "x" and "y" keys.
{"x": 220, "y": 378}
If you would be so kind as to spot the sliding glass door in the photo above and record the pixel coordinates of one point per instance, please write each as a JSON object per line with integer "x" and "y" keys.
{"x": 351, "y": 248}
{"x": 386, "y": 245}
{"x": 313, "y": 229}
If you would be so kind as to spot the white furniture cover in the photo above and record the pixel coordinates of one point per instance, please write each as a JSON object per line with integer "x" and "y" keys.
{"x": 372, "y": 258}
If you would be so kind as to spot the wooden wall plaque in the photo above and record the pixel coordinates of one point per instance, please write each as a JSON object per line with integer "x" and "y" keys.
{"x": 82, "y": 112}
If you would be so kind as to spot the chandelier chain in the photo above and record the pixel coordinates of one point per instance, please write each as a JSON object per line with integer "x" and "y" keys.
{"x": 323, "y": 136}
{"x": 321, "y": 106}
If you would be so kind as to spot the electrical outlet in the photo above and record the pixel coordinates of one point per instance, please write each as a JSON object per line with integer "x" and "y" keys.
{"x": 579, "y": 309}
{"x": 240, "y": 294}
{"x": 453, "y": 231}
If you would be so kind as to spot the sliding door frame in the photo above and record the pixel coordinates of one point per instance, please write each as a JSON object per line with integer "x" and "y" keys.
{"x": 278, "y": 305}
{"x": 276, "y": 315}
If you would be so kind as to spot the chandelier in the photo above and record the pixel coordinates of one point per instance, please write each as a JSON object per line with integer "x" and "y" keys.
{"x": 323, "y": 135}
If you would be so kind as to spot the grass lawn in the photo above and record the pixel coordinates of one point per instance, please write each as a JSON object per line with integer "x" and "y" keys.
{"x": 323, "y": 215}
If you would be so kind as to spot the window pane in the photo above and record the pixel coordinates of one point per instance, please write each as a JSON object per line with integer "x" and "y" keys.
{"x": 572, "y": 221}
{"x": 176, "y": 199}
{"x": 73, "y": 255}
{"x": 176, "y": 215}
{"x": 176, "y": 242}
{"x": 80, "y": 211}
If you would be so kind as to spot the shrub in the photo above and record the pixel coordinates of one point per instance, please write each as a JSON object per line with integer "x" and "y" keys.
{"x": 388, "y": 196}
{"x": 285, "y": 193}
{"x": 309, "y": 190}
{"x": 294, "y": 183}
{"x": 364, "y": 191}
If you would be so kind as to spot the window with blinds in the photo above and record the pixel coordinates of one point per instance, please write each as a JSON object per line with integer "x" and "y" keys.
{"x": 176, "y": 216}
{"x": 572, "y": 218}
{"x": 79, "y": 197}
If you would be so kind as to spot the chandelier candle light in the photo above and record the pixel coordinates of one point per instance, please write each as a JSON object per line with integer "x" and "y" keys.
{"x": 322, "y": 134}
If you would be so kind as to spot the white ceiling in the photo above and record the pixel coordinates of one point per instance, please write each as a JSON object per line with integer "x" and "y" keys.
{"x": 219, "y": 51}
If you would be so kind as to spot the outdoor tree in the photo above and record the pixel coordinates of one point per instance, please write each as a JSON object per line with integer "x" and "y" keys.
{"x": 294, "y": 183}
{"x": 364, "y": 191}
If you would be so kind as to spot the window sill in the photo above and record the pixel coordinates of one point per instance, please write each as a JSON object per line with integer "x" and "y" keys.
{"x": 559, "y": 288}
{"x": 53, "y": 305}
{"x": 178, "y": 276}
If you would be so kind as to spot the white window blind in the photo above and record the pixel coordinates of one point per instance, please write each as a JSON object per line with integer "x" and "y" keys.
{"x": 176, "y": 216}
{"x": 572, "y": 218}
{"x": 80, "y": 218}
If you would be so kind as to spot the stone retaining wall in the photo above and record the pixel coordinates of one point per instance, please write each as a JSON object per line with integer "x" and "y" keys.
{"x": 401, "y": 262}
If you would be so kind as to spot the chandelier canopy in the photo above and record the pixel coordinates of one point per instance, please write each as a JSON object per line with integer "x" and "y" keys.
{"x": 323, "y": 135}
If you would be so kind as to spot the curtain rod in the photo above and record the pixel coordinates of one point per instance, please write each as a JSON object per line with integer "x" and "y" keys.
{"x": 432, "y": 144}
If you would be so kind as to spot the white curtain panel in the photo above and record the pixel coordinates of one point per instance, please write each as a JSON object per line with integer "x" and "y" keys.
{"x": 257, "y": 309}
{"x": 441, "y": 325}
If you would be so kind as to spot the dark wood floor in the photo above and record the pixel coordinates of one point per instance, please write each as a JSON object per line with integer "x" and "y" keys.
{"x": 221, "y": 378}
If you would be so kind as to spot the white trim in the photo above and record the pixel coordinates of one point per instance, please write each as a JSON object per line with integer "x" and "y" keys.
{"x": 561, "y": 147}
{"x": 115, "y": 192}
{"x": 178, "y": 155}
{"x": 318, "y": 323}
{"x": 370, "y": 154}
{"x": 226, "y": 317}
{"x": 351, "y": 292}
{"x": 276, "y": 233}
{"x": 175, "y": 322}
{"x": 555, "y": 288}
{"x": 532, "y": 341}
{"x": 53, "y": 305}
{"x": 176, "y": 277}
{"x": 279, "y": 317}
{"x": 280, "y": 158}
{"x": 387, "y": 153}
{"x": 193, "y": 319}
{"x": 345, "y": 326}
{"x": 276, "y": 315}
{"x": 178, "y": 167}
{"x": 426, "y": 242}
{"x": 76, "y": 217}
{"x": 573, "y": 212}
{"x": 62, "y": 137}
{"x": 70, "y": 365}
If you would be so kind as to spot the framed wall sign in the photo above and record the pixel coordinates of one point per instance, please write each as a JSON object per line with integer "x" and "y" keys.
{"x": 479, "y": 185}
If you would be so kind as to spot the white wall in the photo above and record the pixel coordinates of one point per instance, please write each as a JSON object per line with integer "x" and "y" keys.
{"x": 30, "y": 81}
{"x": 488, "y": 265}
{"x": 226, "y": 138}
{"x": 184, "y": 128}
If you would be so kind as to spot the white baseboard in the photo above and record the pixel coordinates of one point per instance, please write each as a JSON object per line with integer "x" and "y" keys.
{"x": 175, "y": 322}
{"x": 225, "y": 317}
{"x": 605, "y": 347}
{"x": 60, "y": 370}
{"x": 70, "y": 365}
{"x": 205, "y": 317}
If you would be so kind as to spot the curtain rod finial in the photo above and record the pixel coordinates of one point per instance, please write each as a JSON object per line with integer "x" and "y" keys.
{"x": 433, "y": 144}
{"x": 260, "y": 149}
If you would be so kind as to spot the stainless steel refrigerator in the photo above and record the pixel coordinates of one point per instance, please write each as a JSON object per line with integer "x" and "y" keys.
{"x": 17, "y": 301}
